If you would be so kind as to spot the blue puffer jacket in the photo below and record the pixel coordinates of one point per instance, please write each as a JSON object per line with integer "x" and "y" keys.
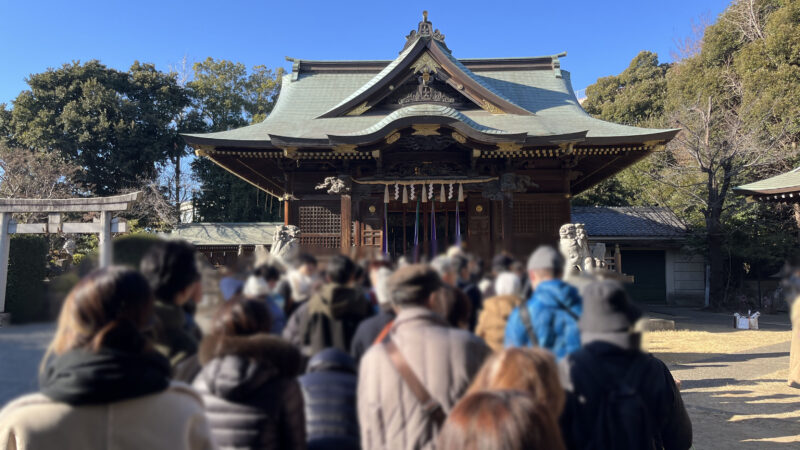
{"x": 329, "y": 391}
{"x": 555, "y": 328}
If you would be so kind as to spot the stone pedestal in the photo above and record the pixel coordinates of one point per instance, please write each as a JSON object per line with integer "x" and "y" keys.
{"x": 5, "y": 319}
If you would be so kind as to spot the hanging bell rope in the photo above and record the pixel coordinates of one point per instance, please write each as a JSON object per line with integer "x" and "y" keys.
{"x": 460, "y": 192}
{"x": 386, "y": 194}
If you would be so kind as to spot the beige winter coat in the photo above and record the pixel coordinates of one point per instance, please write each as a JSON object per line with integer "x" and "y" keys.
{"x": 444, "y": 359}
{"x": 492, "y": 320}
{"x": 794, "y": 355}
{"x": 170, "y": 420}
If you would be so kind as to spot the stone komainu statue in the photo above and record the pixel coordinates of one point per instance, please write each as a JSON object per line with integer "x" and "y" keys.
{"x": 285, "y": 243}
{"x": 579, "y": 257}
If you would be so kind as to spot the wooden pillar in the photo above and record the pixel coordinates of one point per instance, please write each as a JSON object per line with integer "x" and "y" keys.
{"x": 617, "y": 259}
{"x": 105, "y": 246}
{"x": 508, "y": 222}
{"x": 286, "y": 212}
{"x": 5, "y": 242}
{"x": 347, "y": 216}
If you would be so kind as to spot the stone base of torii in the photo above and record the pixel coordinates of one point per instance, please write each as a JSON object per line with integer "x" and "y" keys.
{"x": 104, "y": 228}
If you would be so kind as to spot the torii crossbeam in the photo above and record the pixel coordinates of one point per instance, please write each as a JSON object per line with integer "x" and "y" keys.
{"x": 54, "y": 207}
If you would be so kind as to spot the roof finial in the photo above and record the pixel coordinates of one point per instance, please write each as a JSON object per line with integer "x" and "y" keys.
{"x": 425, "y": 29}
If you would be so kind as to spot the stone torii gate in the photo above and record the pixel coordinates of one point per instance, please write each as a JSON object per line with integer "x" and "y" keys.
{"x": 54, "y": 207}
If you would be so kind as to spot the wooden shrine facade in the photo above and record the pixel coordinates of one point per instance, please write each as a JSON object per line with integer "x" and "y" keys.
{"x": 350, "y": 145}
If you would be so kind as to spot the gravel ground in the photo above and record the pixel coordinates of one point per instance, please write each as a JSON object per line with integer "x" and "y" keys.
{"x": 21, "y": 351}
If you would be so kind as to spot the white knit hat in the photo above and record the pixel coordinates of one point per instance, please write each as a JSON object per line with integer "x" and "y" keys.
{"x": 507, "y": 283}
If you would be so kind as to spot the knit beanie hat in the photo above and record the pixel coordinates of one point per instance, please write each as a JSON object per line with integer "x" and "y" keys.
{"x": 507, "y": 283}
{"x": 547, "y": 258}
{"x": 607, "y": 308}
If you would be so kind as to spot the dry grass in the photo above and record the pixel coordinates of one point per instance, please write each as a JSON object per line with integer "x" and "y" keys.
{"x": 683, "y": 346}
{"x": 762, "y": 412}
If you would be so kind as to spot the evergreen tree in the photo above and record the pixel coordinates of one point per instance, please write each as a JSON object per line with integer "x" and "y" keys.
{"x": 228, "y": 97}
{"x": 117, "y": 126}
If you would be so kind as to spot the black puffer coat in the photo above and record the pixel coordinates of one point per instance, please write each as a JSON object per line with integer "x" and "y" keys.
{"x": 250, "y": 391}
{"x": 329, "y": 391}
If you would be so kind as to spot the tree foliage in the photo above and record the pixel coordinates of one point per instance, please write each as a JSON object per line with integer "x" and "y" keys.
{"x": 736, "y": 97}
{"x": 117, "y": 126}
{"x": 227, "y": 97}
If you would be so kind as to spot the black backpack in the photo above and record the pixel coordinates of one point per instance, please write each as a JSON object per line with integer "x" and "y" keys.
{"x": 623, "y": 419}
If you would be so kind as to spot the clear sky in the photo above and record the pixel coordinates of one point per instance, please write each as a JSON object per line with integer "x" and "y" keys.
{"x": 601, "y": 37}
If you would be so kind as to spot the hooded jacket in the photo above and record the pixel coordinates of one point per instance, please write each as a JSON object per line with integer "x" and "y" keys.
{"x": 444, "y": 359}
{"x": 333, "y": 316}
{"x": 329, "y": 392}
{"x": 107, "y": 399}
{"x": 493, "y": 318}
{"x": 251, "y": 394}
{"x": 555, "y": 328}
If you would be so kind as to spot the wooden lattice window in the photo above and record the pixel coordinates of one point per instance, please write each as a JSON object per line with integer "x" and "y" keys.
{"x": 319, "y": 219}
{"x": 320, "y": 226}
{"x": 534, "y": 218}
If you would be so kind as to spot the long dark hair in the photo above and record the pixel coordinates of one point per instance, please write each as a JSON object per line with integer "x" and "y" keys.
{"x": 502, "y": 420}
{"x": 110, "y": 307}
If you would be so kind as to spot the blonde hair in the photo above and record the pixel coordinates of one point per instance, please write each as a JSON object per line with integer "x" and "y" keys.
{"x": 531, "y": 370}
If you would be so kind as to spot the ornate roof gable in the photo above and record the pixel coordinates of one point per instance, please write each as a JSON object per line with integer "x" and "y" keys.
{"x": 424, "y": 72}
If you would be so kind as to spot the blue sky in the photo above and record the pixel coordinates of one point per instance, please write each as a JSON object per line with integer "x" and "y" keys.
{"x": 601, "y": 37}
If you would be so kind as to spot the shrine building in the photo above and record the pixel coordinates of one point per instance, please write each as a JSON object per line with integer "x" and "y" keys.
{"x": 428, "y": 148}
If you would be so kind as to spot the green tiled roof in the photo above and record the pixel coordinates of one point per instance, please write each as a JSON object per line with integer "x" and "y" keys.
{"x": 218, "y": 233}
{"x": 783, "y": 183}
{"x": 550, "y": 98}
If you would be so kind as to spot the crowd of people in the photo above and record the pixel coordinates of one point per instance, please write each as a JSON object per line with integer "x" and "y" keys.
{"x": 347, "y": 355}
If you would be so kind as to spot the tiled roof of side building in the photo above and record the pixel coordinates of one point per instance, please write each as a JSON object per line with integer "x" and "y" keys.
{"x": 220, "y": 233}
{"x": 779, "y": 184}
{"x": 630, "y": 221}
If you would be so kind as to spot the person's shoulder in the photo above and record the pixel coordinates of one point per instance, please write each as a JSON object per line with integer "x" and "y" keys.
{"x": 23, "y": 403}
{"x": 182, "y": 394}
{"x": 458, "y": 336}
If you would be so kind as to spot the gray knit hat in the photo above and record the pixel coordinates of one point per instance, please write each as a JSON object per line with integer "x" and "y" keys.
{"x": 546, "y": 257}
{"x": 607, "y": 308}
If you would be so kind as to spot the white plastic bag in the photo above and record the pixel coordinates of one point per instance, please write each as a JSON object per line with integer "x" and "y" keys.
{"x": 743, "y": 323}
{"x": 752, "y": 321}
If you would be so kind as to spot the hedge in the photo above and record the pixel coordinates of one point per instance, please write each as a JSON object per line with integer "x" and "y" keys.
{"x": 128, "y": 251}
{"x": 27, "y": 269}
